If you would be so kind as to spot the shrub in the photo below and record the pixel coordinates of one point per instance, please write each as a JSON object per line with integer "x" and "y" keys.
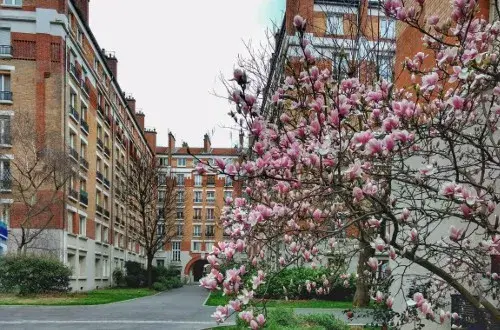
{"x": 133, "y": 268}
{"x": 118, "y": 277}
{"x": 159, "y": 286}
{"x": 32, "y": 274}
{"x": 291, "y": 282}
{"x": 280, "y": 318}
{"x": 327, "y": 321}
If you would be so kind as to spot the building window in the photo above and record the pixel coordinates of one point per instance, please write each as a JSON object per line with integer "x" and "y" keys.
{"x": 5, "y": 88}
{"x": 82, "y": 265}
{"x": 79, "y": 36}
{"x": 160, "y": 263}
{"x": 105, "y": 235}
{"x": 162, "y": 179}
{"x": 385, "y": 67}
{"x": 210, "y": 231}
{"x": 17, "y": 3}
{"x": 197, "y": 230}
{"x": 335, "y": 24}
{"x": 179, "y": 230}
{"x": 196, "y": 246}
{"x": 82, "y": 230}
{"x": 71, "y": 263}
{"x": 181, "y": 162}
{"x": 70, "y": 222}
{"x": 98, "y": 232}
{"x": 228, "y": 194}
{"x": 176, "y": 251}
{"x": 197, "y": 197}
{"x": 210, "y": 196}
{"x": 210, "y": 214}
{"x": 180, "y": 197}
{"x": 340, "y": 65}
{"x": 197, "y": 214}
{"x": 105, "y": 268}
{"x": 495, "y": 264}
{"x": 180, "y": 179}
{"x": 5, "y": 45}
{"x": 198, "y": 180}
{"x": 209, "y": 246}
{"x": 387, "y": 28}
{"x": 163, "y": 161}
{"x": 228, "y": 181}
{"x": 179, "y": 214}
{"x": 5, "y": 179}
{"x": 211, "y": 180}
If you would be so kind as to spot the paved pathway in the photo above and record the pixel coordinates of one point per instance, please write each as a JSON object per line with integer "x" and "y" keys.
{"x": 177, "y": 309}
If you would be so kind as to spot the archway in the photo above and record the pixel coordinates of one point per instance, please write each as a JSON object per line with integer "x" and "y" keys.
{"x": 198, "y": 269}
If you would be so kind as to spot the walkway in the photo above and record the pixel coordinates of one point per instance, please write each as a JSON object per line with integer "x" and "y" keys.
{"x": 177, "y": 309}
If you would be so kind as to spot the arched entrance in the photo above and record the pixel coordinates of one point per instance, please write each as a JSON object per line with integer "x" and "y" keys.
{"x": 197, "y": 269}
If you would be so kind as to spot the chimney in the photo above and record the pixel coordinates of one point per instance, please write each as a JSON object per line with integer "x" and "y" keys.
{"x": 206, "y": 143}
{"x": 82, "y": 7}
{"x": 150, "y": 134}
{"x": 139, "y": 116}
{"x": 131, "y": 103}
{"x": 171, "y": 141}
{"x": 112, "y": 62}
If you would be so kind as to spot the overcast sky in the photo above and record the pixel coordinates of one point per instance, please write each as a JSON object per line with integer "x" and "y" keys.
{"x": 170, "y": 54}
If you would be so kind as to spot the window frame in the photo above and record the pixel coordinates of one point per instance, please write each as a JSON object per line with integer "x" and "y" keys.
{"x": 338, "y": 29}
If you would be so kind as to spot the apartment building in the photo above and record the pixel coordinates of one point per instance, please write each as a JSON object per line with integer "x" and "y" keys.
{"x": 53, "y": 70}
{"x": 200, "y": 199}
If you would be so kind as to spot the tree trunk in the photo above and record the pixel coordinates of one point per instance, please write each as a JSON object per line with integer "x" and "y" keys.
{"x": 150, "y": 271}
{"x": 362, "y": 294}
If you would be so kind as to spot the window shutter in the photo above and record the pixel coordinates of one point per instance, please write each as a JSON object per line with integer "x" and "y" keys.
{"x": 4, "y": 37}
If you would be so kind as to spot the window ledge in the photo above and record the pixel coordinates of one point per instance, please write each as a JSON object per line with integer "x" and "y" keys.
{"x": 11, "y": 6}
{"x": 5, "y": 145}
{"x": 6, "y": 190}
{"x": 6, "y": 102}
{"x": 98, "y": 242}
{"x": 6, "y": 56}
{"x": 72, "y": 235}
{"x": 83, "y": 238}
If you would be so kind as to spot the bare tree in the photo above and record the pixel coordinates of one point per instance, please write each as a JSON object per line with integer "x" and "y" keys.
{"x": 151, "y": 193}
{"x": 37, "y": 173}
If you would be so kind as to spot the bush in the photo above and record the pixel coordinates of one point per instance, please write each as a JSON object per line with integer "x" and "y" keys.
{"x": 327, "y": 321}
{"x": 33, "y": 274}
{"x": 118, "y": 277}
{"x": 291, "y": 282}
{"x": 159, "y": 286}
{"x": 280, "y": 318}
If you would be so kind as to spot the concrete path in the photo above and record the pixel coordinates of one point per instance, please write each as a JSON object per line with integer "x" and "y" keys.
{"x": 177, "y": 309}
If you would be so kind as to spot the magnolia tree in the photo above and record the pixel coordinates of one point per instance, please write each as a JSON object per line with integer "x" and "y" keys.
{"x": 413, "y": 172}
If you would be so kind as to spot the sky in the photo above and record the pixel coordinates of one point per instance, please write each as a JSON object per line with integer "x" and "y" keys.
{"x": 171, "y": 53}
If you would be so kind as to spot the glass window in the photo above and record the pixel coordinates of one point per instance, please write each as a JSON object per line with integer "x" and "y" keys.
{"x": 5, "y": 180}
{"x": 210, "y": 214}
{"x": 180, "y": 230}
{"x": 209, "y": 246}
{"x": 197, "y": 230}
{"x": 18, "y": 3}
{"x": 5, "y": 91}
{"x": 196, "y": 246}
{"x": 228, "y": 181}
{"x": 181, "y": 162}
{"x": 197, "y": 214}
{"x": 335, "y": 24}
{"x": 197, "y": 197}
{"x": 198, "y": 180}
{"x": 385, "y": 67}
{"x": 180, "y": 179}
{"x": 228, "y": 194}
{"x": 179, "y": 214}
{"x": 70, "y": 222}
{"x": 210, "y": 231}
{"x": 387, "y": 28}
{"x": 82, "y": 230}
{"x": 176, "y": 251}
{"x": 5, "y": 135}
{"x": 180, "y": 197}
{"x": 210, "y": 196}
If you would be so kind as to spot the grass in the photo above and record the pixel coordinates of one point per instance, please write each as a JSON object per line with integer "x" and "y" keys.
{"x": 216, "y": 299}
{"x": 97, "y": 297}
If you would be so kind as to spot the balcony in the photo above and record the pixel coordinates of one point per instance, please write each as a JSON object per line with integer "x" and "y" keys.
{"x": 74, "y": 72}
{"x": 118, "y": 192}
{"x": 5, "y": 50}
{"x": 5, "y": 96}
{"x": 180, "y": 201}
{"x": 100, "y": 144}
{"x": 85, "y": 87}
{"x": 100, "y": 111}
{"x": 106, "y": 151}
{"x": 211, "y": 181}
{"x": 210, "y": 234}
{"x": 106, "y": 182}
{"x": 197, "y": 200}
{"x": 106, "y": 213}
{"x": 74, "y": 114}
{"x": 84, "y": 197}
{"x": 72, "y": 193}
{"x": 84, "y": 163}
{"x": 210, "y": 200}
{"x": 197, "y": 217}
{"x": 84, "y": 126}
{"x": 99, "y": 176}
{"x": 108, "y": 121}
{"x": 98, "y": 209}
{"x": 118, "y": 220}
{"x": 73, "y": 153}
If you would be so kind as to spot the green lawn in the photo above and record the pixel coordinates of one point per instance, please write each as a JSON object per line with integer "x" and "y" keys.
{"x": 216, "y": 299}
{"x": 97, "y": 297}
